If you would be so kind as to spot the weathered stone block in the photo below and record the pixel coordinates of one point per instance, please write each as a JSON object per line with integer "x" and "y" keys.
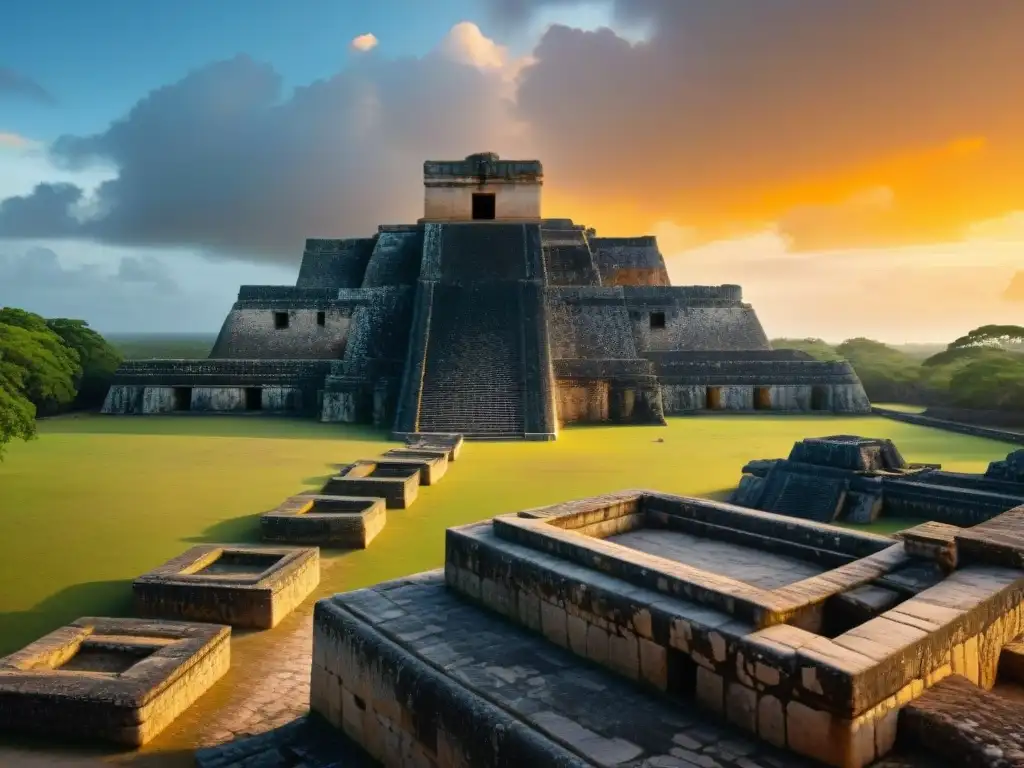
{"x": 328, "y": 521}
{"x": 119, "y": 680}
{"x": 239, "y": 585}
{"x": 396, "y": 482}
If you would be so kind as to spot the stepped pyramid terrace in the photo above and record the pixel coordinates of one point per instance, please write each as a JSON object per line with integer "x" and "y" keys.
{"x": 486, "y": 318}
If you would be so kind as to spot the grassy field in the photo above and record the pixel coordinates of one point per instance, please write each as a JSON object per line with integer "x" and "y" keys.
{"x": 96, "y": 501}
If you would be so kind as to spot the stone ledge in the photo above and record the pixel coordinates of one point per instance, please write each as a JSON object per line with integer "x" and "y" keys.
{"x": 119, "y": 680}
{"x": 481, "y": 732}
{"x": 239, "y": 585}
{"x": 398, "y": 486}
{"x": 965, "y": 725}
{"x": 328, "y": 521}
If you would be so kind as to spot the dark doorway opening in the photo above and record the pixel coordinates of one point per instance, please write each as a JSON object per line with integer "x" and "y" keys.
{"x": 657, "y": 320}
{"x": 682, "y": 674}
{"x": 819, "y": 398}
{"x": 183, "y": 398}
{"x": 280, "y": 320}
{"x": 762, "y": 398}
{"x": 253, "y": 399}
{"x": 713, "y": 401}
{"x": 483, "y": 206}
{"x": 321, "y": 318}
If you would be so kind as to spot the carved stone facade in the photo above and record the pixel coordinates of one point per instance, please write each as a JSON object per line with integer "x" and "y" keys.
{"x": 486, "y": 319}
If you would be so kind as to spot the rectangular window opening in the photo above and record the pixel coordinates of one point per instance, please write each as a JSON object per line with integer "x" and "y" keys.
{"x": 183, "y": 398}
{"x": 819, "y": 398}
{"x": 657, "y": 320}
{"x": 713, "y": 400}
{"x": 484, "y": 206}
{"x": 762, "y": 398}
{"x": 321, "y": 318}
{"x": 280, "y": 320}
{"x": 253, "y": 399}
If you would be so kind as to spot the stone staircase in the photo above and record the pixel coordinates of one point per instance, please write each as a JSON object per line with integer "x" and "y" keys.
{"x": 473, "y": 380}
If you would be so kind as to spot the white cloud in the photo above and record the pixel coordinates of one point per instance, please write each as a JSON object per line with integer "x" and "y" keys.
{"x": 365, "y": 42}
{"x": 1008, "y": 228}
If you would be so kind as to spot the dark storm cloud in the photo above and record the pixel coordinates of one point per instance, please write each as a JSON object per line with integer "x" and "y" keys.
{"x": 225, "y": 161}
{"x": 16, "y": 84}
{"x": 731, "y": 112}
{"x": 47, "y": 212}
{"x": 728, "y": 100}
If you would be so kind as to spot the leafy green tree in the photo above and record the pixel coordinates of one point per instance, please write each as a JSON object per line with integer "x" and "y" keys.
{"x": 17, "y": 413}
{"x": 98, "y": 358}
{"x": 49, "y": 368}
{"x": 888, "y": 375}
{"x": 993, "y": 383}
{"x": 816, "y": 348}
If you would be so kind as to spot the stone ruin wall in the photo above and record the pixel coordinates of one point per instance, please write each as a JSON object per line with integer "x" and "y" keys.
{"x": 630, "y": 261}
{"x": 335, "y": 263}
{"x": 363, "y": 387}
{"x": 250, "y": 332}
{"x": 155, "y": 386}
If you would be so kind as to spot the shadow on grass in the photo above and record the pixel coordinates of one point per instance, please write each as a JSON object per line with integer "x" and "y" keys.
{"x": 94, "y": 598}
{"x": 236, "y": 530}
{"x": 211, "y": 425}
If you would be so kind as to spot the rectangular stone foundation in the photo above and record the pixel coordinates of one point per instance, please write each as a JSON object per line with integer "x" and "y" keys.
{"x": 328, "y": 521}
{"x": 398, "y": 484}
{"x": 432, "y": 468}
{"x": 115, "y": 680}
{"x": 452, "y": 443}
{"x": 757, "y": 656}
{"x": 239, "y": 585}
{"x": 419, "y": 677}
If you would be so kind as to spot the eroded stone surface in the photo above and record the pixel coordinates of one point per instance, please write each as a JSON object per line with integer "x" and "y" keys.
{"x": 966, "y": 725}
{"x": 327, "y": 521}
{"x": 240, "y": 585}
{"x": 119, "y": 680}
{"x": 476, "y": 657}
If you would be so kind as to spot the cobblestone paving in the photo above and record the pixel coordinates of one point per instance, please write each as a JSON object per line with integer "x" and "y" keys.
{"x": 267, "y": 701}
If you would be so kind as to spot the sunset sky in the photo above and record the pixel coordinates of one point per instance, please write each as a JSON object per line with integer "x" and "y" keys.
{"x": 856, "y": 165}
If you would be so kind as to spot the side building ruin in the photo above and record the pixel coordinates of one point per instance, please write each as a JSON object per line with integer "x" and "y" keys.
{"x": 487, "y": 319}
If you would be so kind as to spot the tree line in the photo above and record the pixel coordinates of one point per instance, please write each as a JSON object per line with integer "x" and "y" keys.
{"x": 982, "y": 370}
{"x": 48, "y": 367}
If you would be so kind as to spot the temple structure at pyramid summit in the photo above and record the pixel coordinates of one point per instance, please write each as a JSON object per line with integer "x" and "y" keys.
{"x": 487, "y": 319}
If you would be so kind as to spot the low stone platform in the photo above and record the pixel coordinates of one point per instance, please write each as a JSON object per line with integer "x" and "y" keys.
{"x": 966, "y": 725}
{"x": 421, "y": 677}
{"x": 235, "y": 584}
{"x": 447, "y": 441}
{"x": 821, "y": 665}
{"x": 349, "y": 522}
{"x": 398, "y": 482}
{"x": 432, "y": 468}
{"x": 116, "y": 680}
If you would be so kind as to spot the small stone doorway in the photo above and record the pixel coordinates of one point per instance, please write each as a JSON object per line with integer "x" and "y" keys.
{"x": 253, "y": 399}
{"x": 484, "y": 207}
{"x": 183, "y": 398}
{"x": 762, "y": 398}
{"x": 713, "y": 399}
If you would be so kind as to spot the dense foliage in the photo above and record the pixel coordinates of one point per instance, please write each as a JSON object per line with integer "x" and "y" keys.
{"x": 46, "y": 367}
{"x": 982, "y": 370}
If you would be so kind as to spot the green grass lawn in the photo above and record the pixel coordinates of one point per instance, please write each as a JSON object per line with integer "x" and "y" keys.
{"x": 98, "y": 500}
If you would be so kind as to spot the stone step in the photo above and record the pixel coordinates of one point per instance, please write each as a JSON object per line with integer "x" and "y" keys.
{"x": 965, "y": 725}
